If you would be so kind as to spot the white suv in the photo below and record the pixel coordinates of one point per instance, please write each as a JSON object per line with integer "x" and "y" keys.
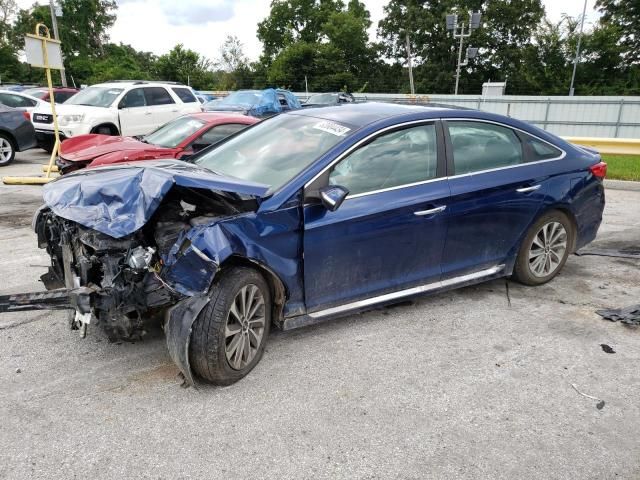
{"x": 116, "y": 108}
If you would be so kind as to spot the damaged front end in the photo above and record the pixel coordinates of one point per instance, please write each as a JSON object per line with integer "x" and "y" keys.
{"x": 128, "y": 265}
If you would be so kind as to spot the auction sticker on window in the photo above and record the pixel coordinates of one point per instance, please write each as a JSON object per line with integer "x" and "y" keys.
{"x": 332, "y": 128}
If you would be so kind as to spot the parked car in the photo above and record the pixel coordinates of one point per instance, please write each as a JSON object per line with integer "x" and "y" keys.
{"x": 60, "y": 94}
{"x": 310, "y": 215}
{"x": 257, "y": 103}
{"x": 22, "y": 101}
{"x": 16, "y": 134}
{"x": 116, "y": 108}
{"x": 320, "y": 99}
{"x": 179, "y": 138}
{"x": 204, "y": 97}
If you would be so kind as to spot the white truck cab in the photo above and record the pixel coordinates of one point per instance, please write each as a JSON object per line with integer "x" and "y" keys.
{"x": 125, "y": 108}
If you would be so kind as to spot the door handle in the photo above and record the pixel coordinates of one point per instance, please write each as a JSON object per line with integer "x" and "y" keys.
{"x": 528, "y": 189}
{"x": 431, "y": 211}
{"x": 147, "y": 113}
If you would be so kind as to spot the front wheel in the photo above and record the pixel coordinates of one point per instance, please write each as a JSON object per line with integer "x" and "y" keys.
{"x": 7, "y": 151}
{"x": 229, "y": 335}
{"x": 545, "y": 249}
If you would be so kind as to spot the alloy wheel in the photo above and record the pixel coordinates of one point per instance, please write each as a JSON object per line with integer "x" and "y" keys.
{"x": 547, "y": 249}
{"x": 6, "y": 150}
{"x": 245, "y": 327}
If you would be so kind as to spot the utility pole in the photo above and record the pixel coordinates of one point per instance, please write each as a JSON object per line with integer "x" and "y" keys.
{"x": 54, "y": 21}
{"x": 462, "y": 31}
{"x": 575, "y": 61}
{"x": 410, "y": 63}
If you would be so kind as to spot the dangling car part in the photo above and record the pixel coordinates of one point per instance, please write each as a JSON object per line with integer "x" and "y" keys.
{"x": 307, "y": 216}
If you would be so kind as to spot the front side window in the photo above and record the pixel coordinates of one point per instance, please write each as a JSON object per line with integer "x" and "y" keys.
{"x": 394, "y": 159}
{"x": 274, "y": 151}
{"x": 479, "y": 146}
{"x": 95, "y": 97}
{"x": 157, "y": 96}
{"x": 171, "y": 134}
{"x": 133, "y": 99}
{"x": 218, "y": 133}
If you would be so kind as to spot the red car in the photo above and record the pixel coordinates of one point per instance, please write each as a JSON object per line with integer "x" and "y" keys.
{"x": 60, "y": 94}
{"x": 180, "y": 138}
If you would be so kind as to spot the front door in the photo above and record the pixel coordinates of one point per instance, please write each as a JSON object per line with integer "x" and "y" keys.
{"x": 495, "y": 196}
{"x": 134, "y": 114}
{"x": 389, "y": 233}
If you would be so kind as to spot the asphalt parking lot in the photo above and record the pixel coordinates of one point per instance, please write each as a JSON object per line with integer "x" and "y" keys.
{"x": 468, "y": 384}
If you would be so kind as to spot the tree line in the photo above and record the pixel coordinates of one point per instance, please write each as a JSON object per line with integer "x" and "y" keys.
{"x": 323, "y": 45}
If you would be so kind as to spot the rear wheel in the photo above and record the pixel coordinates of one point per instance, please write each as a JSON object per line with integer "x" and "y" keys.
{"x": 230, "y": 334}
{"x": 545, "y": 249}
{"x": 7, "y": 150}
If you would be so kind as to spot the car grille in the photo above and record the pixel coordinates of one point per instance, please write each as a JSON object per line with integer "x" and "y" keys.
{"x": 42, "y": 118}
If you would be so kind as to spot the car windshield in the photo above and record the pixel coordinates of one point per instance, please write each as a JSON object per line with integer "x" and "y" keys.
{"x": 323, "y": 98}
{"x": 95, "y": 97}
{"x": 171, "y": 134}
{"x": 241, "y": 98}
{"x": 275, "y": 150}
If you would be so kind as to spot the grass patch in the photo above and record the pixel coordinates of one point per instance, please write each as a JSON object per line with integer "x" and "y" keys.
{"x": 623, "y": 167}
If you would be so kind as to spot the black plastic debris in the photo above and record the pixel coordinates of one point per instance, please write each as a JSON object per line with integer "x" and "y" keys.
{"x": 604, "y": 252}
{"x": 600, "y": 405}
{"x": 606, "y": 348}
{"x": 628, "y": 316}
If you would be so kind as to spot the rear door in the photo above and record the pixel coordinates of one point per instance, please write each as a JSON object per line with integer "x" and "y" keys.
{"x": 389, "y": 233}
{"x": 495, "y": 195}
{"x": 162, "y": 106}
{"x": 134, "y": 114}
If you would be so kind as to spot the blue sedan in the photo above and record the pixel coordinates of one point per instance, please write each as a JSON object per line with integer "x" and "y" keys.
{"x": 310, "y": 215}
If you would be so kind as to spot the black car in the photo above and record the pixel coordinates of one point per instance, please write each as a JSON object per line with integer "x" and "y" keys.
{"x": 16, "y": 133}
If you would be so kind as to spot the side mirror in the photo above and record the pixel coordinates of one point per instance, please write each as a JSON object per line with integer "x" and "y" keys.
{"x": 332, "y": 196}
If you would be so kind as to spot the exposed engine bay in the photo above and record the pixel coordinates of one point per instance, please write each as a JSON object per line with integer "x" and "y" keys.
{"x": 127, "y": 281}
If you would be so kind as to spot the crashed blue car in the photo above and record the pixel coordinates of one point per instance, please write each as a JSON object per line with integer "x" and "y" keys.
{"x": 256, "y": 103}
{"x": 307, "y": 216}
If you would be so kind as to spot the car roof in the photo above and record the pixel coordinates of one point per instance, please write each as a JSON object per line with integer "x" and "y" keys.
{"x": 131, "y": 83}
{"x": 361, "y": 114}
{"x": 217, "y": 118}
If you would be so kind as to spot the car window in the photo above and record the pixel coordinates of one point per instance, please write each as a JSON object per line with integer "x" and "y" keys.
{"x": 134, "y": 98}
{"x": 95, "y": 97}
{"x": 61, "y": 97}
{"x": 157, "y": 96}
{"x": 481, "y": 146}
{"x": 391, "y": 160}
{"x": 540, "y": 150}
{"x": 219, "y": 132}
{"x": 16, "y": 101}
{"x": 185, "y": 95}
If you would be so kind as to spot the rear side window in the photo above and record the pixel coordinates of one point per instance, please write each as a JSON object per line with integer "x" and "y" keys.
{"x": 394, "y": 159}
{"x": 539, "y": 150}
{"x": 219, "y": 132}
{"x": 157, "y": 96}
{"x": 185, "y": 95}
{"x": 134, "y": 98}
{"x": 16, "y": 101}
{"x": 61, "y": 97}
{"x": 479, "y": 146}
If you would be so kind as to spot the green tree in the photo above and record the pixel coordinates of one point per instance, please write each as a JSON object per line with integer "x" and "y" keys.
{"x": 185, "y": 66}
{"x": 624, "y": 16}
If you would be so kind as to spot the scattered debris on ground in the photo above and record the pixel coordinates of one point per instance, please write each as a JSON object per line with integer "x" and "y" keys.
{"x": 632, "y": 252}
{"x": 606, "y": 348}
{"x": 628, "y": 316}
{"x": 601, "y": 403}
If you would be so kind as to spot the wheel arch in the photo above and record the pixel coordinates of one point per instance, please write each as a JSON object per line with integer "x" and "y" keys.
{"x": 112, "y": 126}
{"x": 566, "y": 210}
{"x": 277, "y": 286}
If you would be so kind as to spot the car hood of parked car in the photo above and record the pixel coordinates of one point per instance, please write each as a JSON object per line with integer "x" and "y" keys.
{"x": 118, "y": 200}
{"x": 85, "y": 148}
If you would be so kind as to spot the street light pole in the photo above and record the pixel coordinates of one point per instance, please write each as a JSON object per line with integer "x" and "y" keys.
{"x": 410, "y": 62}
{"x": 575, "y": 61}
{"x": 459, "y": 57}
{"x": 459, "y": 31}
{"x": 54, "y": 21}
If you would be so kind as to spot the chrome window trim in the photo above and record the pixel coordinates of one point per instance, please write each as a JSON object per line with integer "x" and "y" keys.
{"x": 417, "y": 122}
{"x": 407, "y": 292}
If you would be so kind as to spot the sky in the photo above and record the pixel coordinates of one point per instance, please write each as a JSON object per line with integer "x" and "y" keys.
{"x": 202, "y": 25}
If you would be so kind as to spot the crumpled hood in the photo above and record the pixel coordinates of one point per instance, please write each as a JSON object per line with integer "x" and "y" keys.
{"x": 88, "y": 147}
{"x": 118, "y": 200}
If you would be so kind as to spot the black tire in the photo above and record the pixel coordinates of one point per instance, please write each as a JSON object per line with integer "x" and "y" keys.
{"x": 105, "y": 130}
{"x": 7, "y": 150}
{"x": 208, "y": 349}
{"x": 524, "y": 271}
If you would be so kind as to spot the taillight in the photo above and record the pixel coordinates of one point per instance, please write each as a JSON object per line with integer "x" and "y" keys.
{"x": 26, "y": 115}
{"x": 599, "y": 169}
